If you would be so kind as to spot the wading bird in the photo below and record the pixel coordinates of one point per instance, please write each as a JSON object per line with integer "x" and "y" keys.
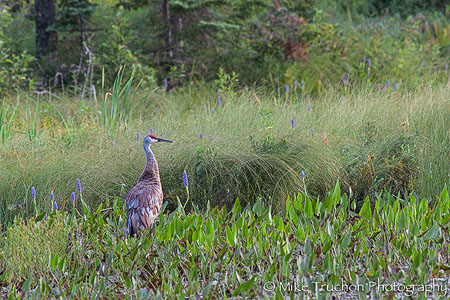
{"x": 144, "y": 200}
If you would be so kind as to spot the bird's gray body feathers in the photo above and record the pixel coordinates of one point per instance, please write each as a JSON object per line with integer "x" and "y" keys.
{"x": 144, "y": 201}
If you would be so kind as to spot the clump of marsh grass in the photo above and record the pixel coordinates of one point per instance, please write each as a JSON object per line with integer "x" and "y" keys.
{"x": 255, "y": 171}
{"x": 391, "y": 164}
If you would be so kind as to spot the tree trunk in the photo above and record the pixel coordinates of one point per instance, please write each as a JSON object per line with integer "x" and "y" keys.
{"x": 177, "y": 24}
{"x": 45, "y": 37}
{"x": 166, "y": 16}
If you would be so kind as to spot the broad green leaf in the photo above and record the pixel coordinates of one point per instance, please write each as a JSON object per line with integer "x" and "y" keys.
{"x": 326, "y": 265}
{"x": 133, "y": 253}
{"x": 61, "y": 263}
{"x": 54, "y": 261}
{"x": 416, "y": 259}
{"x": 423, "y": 208}
{"x": 245, "y": 232}
{"x": 39, "y": 217}
{"x": 365, "y": 209}
{"x": 444, "y": 195}
{"x": 308, "y": 247}
{"x": 99, "y": 209}
{"x": 236, "y": 208}
{"x": 257, "y": 207}
{"x": 346, "y": 240}
{"x": 291, "y": 211}
{"x": 326, "y": 245}
{"x": 437, "y": 213}
{"x": 432, "y": 233}
{"x": 377, "y": 217}
{"x": 206, "y": 289}
{"x": 235, "y": 234}
{"x": 244, "y": 287}
{"x": 402, "y": 222}
{"x": 298, "y": 203}
{"x": 230, "y": 239}
{"x": 308, "y": 207}
{"x": 27, "y": 284}
{"x": 86, "y": 210}
{"x": 318, "y": 204}
{"x": 415, "y": 228}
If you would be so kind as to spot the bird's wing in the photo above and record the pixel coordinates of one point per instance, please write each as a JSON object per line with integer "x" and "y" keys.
{"x": 143, "y": 205}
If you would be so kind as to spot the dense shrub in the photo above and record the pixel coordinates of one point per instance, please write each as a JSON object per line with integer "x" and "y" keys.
{"x": 15, "y": 68}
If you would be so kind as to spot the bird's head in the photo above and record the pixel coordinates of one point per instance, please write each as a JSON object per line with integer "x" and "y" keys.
{"x": 151, "y": 139}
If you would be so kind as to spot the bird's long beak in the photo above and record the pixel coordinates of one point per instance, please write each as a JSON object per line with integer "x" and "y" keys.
{"x": 163, "y": 140}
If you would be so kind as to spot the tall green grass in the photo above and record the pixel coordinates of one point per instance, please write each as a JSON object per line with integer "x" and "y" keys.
{"x": 371, "y": 141}
{"x": 117, "y": 111}
{"x": 6, "y": 122}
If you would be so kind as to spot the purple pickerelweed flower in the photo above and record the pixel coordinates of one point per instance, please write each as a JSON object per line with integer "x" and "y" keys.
{"x": 73, "y": 197}
{"x": 292, "y": 123}
{"x": 368, "y": 74}
{"x": 151, "y": 130}
{"x": 219, "y": 101}
{"x": 79, "y": 185}
{"x": 378, "y": 87}
{"x": 295, "y": 85}
{"x": 165, "y": 84}
{"x": 388, "y": 83}
{"x": 210, "y": 138}
{"x": 302, "y": 175}
{"x": 445, "y": 68}
{"x": 33, "y": 192}
{"x": 185, "y": 179}
{"x": 303, "y": 83}
{"x": 312, "y": 132}
{"x": 364, "y": 60}
{"x": 435, "y": 69}
{"x": 201, "y": 136}
{"x": 138, "y": 137}
{"x": 368, "y": 63}
{"x": 286, "y": 88}
{"x": 52, "y": 196}
{"x": 309, "y": 106}
{"x": 396, "y": 86}
{"x": 55, "y": 205}
{"x": 344, "y": 79}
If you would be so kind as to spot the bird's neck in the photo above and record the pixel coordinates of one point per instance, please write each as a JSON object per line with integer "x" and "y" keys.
{"x": 151, "y": 172}
{"x": 149, "y": 155}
